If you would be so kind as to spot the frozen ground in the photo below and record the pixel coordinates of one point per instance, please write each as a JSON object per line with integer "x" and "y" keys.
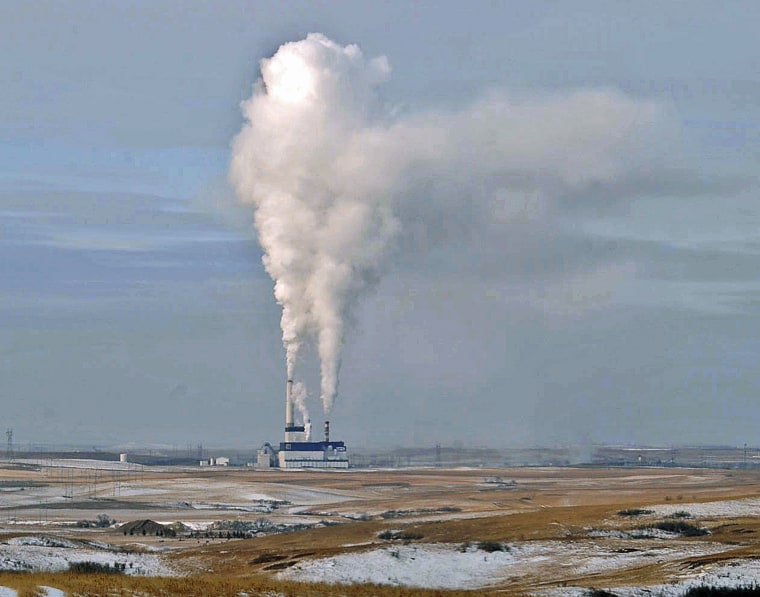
{"x": 203, "y": 497}
{"x": 725, "y": 508}
{"x": 81, "y": 463}
{"x": 115, "y": 480}
{"x": 450, "y": 567}
{"x": 131, "y": 491}
{"x": 201, "y": 500}
{"x": 736, "y": 573}
{"x": 432, "y": 566}
{"x": 202, "y": 492}
{"x": 44, "y": 591}
{"x": 39, "y": 553}
{"x": 645, "y": 533}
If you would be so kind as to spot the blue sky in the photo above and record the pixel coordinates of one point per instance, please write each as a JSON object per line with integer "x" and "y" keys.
{"x": 133, "y": 302}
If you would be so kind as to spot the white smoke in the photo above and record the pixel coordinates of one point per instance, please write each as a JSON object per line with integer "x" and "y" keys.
{"x": 298, "y": 395}
{"x": 335, "y": 182}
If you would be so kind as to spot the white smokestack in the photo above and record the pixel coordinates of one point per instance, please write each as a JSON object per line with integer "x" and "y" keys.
{"x": 289, "y": 404}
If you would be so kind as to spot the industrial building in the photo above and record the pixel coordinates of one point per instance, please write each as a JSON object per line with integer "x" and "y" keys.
{"x": 298, "y": 451}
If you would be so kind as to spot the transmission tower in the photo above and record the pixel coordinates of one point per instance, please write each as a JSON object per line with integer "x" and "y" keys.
{"x": 9, "y": 452}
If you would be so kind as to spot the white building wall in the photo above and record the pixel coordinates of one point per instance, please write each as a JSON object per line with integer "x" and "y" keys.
{"x": 310, "y": 459}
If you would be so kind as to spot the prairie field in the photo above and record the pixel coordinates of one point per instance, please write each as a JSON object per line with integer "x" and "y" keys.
{"x": 88, "y": 527}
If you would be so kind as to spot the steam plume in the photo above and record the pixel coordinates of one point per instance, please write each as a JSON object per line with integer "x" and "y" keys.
{"x": 298, "y": 396}
{"x": 335, "y": 182}
{"x": 323, "y": 229}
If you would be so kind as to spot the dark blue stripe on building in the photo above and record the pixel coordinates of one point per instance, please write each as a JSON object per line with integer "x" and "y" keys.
{"x": 312, "y": 446}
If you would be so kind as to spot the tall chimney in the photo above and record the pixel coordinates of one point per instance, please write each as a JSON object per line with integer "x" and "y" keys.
{"x": 327, "y": 431}
{"x": 288, "y": 406}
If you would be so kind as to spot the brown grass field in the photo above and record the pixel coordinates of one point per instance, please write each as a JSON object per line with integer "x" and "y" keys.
{"x": 556, "y": 507}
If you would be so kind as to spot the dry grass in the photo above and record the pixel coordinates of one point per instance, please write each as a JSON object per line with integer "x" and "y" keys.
{"x": 544, "y": 504}
{"x": 554, "y": 504}
{"x": 28, "y": 585}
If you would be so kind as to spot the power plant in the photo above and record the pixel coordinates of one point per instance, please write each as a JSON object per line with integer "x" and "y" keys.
{"x": 298, "y": 451}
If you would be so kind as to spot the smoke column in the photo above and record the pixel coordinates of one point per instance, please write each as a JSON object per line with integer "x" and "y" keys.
{"x": 335, "y": 182}
{"x": 323, "y": 231}
{"x": 298, "y": 396}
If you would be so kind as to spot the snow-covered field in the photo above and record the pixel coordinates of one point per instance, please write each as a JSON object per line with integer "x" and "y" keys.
{"x": 445, "y": 566}
{"x": 736, "y": 573}
{"x": 44, "y": 591}
{"x": 719, "y": 509}
{"x": 39, "y": 553}
{"x": 201, "y": 492}
{"x": 432, "y": 566}
{"x": 645, "y": 533}
{"x": 50, "y": 505}
{"x": 202, "y": 500}
{"x": 125, "y": 490}
{"x": 80, "y": 463}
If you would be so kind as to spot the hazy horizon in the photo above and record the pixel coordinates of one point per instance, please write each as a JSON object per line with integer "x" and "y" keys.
{"x": 571, "y": 250}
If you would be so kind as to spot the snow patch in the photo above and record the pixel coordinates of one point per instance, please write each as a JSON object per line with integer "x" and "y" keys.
{"x": 42, "y": 541}
{"x": 731, "y": 508}
{"x": 731, "y": 574}
{"x": 197, "y": 525}
{"x": 445, "y": 566}
{"x": 261, "y": 497}
{"x": 46, "y": 554}
{"x": 81, "y": 463}
{"x": 645, "y": 533}
{"x": 431, "y": 566}
{"x": 126, "y": 491}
